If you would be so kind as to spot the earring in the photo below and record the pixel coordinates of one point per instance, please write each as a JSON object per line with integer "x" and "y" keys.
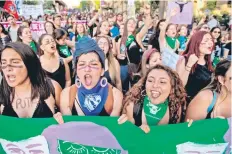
{"x": 103, "y": 82}
{"x": 78, "y": 83}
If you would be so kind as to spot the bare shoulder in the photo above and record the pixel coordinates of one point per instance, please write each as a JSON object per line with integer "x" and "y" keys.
{"x": 56, "y": 84}
{"x": 117, "y": 93}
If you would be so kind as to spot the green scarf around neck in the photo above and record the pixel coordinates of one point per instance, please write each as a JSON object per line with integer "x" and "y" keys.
{"x": 129, "y": 40}
{"x": 171, "y": 42}
{"x": 154, "y": 112}
{"x": 33, "y": 46}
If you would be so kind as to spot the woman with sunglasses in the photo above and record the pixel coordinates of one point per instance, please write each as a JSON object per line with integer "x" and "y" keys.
{"x": 195, "y": 67}
{"x": 54, "y": 66}
{"x": 25, "y": 91}
{"x": 214, "y": 100}
{"x": 218, "y": 48}
{"x": 92, "y": 95}
{"x": 159, "y": 98}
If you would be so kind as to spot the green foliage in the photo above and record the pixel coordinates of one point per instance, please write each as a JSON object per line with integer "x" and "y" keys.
{"x": 48, "y": 4}
{"x": 211, "y": 5}
{"x": 31, "y": 2}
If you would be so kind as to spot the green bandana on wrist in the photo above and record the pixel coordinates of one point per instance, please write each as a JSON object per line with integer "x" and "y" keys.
{"x": 171, "y": 42}
{"x": 154, "y": 113}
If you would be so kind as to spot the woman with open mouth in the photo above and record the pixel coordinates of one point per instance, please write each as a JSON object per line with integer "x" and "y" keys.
{"x": 168, "y": 32}
{"x": 92, "y": 95}
{"x": 214, "y": 100}
{"x": 54, "y": 66}
{"x": 25, "y": 36}
{"x": 157, "y": 99}
{"x": 25, "y": 91}
{"x": 195, "y": 67}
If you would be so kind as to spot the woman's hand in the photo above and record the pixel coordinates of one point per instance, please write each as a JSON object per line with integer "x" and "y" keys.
{"x": 121, "y": 56}
{"x": 192, "y": 60}
{"x": 122, "y": 119}
{"x": 145, "y": 128}
{"x": 58, "y": 117}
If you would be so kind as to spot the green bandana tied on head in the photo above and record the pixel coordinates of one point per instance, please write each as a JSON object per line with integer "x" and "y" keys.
{"x": 33, "y": 46}
{"x": 154, "y": 113}
{"x": 171, "y": 42}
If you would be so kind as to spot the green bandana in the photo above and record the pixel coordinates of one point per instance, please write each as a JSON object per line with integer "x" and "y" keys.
{"x": 154, "y": 113}
{"x": 33, "y": 46}
{"x": 79, "y": 37}
{"x": 171, "y": 42}
{"x": 64, "y": 50}
{"x": 129, "y": 40}
{"x": 65, "y": 147}
{"x": 216, "y": 60}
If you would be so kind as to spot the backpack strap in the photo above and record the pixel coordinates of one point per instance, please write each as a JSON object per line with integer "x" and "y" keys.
{"x": 211, "y": 106}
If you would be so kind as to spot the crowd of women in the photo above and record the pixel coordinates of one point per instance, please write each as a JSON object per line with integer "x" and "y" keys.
{"x": 113, "y": 66}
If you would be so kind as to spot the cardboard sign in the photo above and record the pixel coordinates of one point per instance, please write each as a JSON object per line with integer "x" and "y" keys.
{"x": 185, "y": 14}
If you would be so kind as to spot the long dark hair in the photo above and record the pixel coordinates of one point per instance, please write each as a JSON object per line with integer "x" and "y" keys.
{"x": 3, "y": 29}
{"x": 40, "y": 85}
{"x": 220, "y": 70}
{"x": 51, "y": 24}
{"x": 219, "y": 38}
{"x": 177, "y": 96}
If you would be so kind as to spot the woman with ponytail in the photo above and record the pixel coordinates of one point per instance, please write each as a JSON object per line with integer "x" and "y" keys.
{"x": 214, "y": 100}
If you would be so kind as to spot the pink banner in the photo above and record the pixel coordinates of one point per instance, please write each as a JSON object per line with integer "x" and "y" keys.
{"x": 38, "y": 26}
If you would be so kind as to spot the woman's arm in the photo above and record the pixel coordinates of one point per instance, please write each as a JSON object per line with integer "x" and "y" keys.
{"x": 143, "y": 32}
{"x": 67, "y": 75}
{"x": 58, "y": 90}
{"x": 226, "y": 52}
{"x": 118, "y": 75}
{"x": 118, "y": 96}
{"x": 184, "y": 70}
{"x": 68, "y": 59}
{"x": 197, "y": 108}
{"x": 65, "y": 107}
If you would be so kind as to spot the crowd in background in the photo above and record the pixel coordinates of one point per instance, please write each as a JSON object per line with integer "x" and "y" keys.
{"x": 112, "y": 65}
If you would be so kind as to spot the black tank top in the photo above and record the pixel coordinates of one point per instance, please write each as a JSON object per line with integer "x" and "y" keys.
{"x": 59, "y": 74}
{"x": 197, "y": 81}
{"x": 42, "y": 111}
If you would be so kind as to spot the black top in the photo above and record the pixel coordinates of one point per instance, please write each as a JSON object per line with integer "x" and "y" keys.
{"x": 228, "y": 46}
{"x": 107, "y": 75}
{"x": 133, "y": 54}
{"x": 4, "y": 41}
{"x": 59, "y": 74}
{"x": 198, "y": 80}
{"x": 147, "y": 37}
{"x": 42, "y": 111}
{"x": 91, "y": 29}
{"x": 154, "y": 41}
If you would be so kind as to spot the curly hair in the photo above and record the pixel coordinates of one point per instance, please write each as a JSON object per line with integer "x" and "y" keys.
{"x": 177, "y": 96}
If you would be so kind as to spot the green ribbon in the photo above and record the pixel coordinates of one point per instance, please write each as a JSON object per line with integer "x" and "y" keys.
{"x": 171, "y": 42}
{"x": 33, "y": 46}
{"x": 64, "y": 50}
{"x": 154, "y": 112}
{"x": 129, "y": 40}
{"x": 79, "y": 37}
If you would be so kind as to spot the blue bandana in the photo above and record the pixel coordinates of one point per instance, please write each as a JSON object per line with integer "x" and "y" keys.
{"x": 92, "y": 101}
